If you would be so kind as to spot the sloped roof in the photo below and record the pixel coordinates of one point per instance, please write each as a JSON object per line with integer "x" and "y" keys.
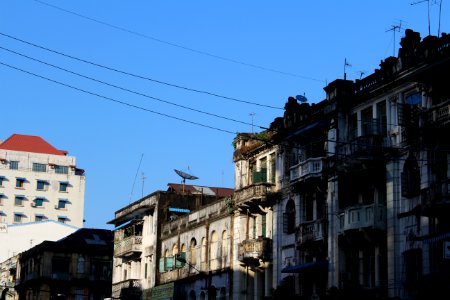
{"x": 30, "y": 143}
{"x": 219, "y": 192}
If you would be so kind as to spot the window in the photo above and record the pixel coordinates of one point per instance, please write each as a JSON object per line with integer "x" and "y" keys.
{"x": 2, "y": 216}
{"x": 1, "y": 199}
{"x": 62, "y": 203}
{"x": 63, "y": 186}
{"x": 80, "y": 265}
{"x": 18, "y": 218}
{"x": 39, "y": 167}
{"x": 41, "y": 185}
{"x": 20, "y": 183}
{"x": 39, "y": 218}
{"x": 193, "y": 251}
{"x": 38, "y": 202}
{"x": 62, "y": 219}
{"x": 2, "y": 179}
{"x": 61, "y": 169}
{"x": 13, "y": 164}
{"x": 367, "y": 122}
{"x": 18, "y": 200}
{"x": 289, "y": 218}
{"x": 410, "y": 177}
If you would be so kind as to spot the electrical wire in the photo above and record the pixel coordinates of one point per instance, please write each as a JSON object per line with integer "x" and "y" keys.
{"x": 126, "y": 89}
{"x": 115, "y": 100}
{"x": 138, "y": 76}
{"x": 178, "y": 45}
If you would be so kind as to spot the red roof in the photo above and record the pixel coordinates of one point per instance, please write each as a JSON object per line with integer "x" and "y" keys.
{"x": 219, "y": 192}
{"x": 30, "y": 143}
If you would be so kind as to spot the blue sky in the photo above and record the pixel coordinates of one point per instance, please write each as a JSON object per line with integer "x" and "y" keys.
{"x": 136, "y": 89}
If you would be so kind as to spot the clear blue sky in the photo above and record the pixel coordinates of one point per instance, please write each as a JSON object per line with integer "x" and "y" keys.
{"x": 252, "y": 54}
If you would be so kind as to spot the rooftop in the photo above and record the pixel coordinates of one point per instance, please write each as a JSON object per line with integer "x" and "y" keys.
{"x": 30, "y": 143}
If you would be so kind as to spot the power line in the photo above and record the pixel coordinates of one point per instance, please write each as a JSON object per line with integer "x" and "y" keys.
{"x": 116, "y": 101}
{"x": 138, "y": 76}
{"x": 126, "y": 89}
{"x": 178, "y": 45}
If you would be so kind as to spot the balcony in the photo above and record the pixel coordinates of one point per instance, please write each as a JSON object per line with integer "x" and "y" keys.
{"x": 440, "y": 115}
{"x": 128, "y": 246}
{"x": 362, "y": 147}
{"x": 254, "y": 192}
{"x": 310, "y": 232}
{"x": 127, "y": 289}
{"x": 363, "y": 216}
{"x": 251, "y": 251}
{"x": 311, "y": 167}
{"x": 436, "y": 198}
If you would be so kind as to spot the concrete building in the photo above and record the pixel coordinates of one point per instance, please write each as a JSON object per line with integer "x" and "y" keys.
{"x": 39, "y": 182}
{"x": 347, "y": 198}
{"x": 144, "y": 251}
{"x": 78, "y": 266}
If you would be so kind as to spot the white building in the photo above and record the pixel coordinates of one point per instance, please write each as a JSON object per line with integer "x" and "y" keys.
{"x": 39, "y": 182}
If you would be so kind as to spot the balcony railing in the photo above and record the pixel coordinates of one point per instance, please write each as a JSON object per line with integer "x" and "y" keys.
{"x": 126, "y": 288}
{"x": 437, "y": 193}
{"x": 253, "y": 192}
{"x": 310, "y": 231}
{"x": 308, "y": 168}
{"x": 440, "y": 115}
{"x": 363, "y": 216}
{"x": 128, "y": 246}
{"x": 252, "y": 250}
{"x": 363, "y": 146}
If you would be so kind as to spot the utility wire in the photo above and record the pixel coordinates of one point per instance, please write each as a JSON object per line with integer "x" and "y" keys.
{"x": 115, "y": 100}
{"x": 138, "y": 76}
{"x": 126, "y": 89}
{"x": 177, "y": 45}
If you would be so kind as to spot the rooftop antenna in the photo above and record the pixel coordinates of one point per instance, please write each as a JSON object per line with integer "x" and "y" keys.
{"x": 252, "y": 115}
{"x": 395, "y": 28}
{"x": 418, "y": 2}
{"x": 143, "y": 180}
{"x": 346, "y": 64}
{"x": 361, "y": 73}
{"x": 185, "y": 176}
{"x": 440, "y": 11}
{"x": 137, "y": 171}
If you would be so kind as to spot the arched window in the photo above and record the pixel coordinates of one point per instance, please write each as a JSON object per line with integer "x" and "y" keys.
{"x": 224, "y": 249}
{"x": 214, "y": 251}
{"x": 289, "y": 217}
{"x": 203, "y": 254}
{"x": 193, "y": 249}
{"x": 80, "y": 265}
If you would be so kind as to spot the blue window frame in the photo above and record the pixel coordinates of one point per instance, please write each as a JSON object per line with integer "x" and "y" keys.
{"x": 20, "y": 182}
{"x": 39, "y": 202}
{"x": 62, "y": 203}
{"x": 63, "y": 186}
{"x": 18, "y": 200}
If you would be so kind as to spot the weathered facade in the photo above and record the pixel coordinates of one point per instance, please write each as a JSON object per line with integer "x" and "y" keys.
{"x": 75, "y": 267}
{"x": 150, "y": 233}
{"x": 346, "y": 198}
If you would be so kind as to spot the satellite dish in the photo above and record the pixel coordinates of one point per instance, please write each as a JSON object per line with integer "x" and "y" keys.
{"x": 301, "y": 99}
{"x": 185, "y": 176}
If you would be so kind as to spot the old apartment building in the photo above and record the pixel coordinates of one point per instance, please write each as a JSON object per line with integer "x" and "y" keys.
{"x": 345, "y": 198}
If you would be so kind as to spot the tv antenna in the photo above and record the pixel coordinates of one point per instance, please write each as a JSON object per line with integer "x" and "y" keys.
{"x": 185, "y": 176}
{"x": 395, "y": 28}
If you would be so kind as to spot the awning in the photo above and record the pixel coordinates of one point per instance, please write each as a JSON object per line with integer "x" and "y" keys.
{"x": 306, "y": 266}
{"x": 39, "y": 215}
{"x": 18, "y": 213}
{"x": 63, "y": 217}
{"x": 64, "y": 182}
{"x": 2, "y": 195}
{"x": 20, "y": 196}
{"x": 179, "y": 210}
{"x": 21, "y": 178}
{"x": 2, "y": 213}
{"x": 42, "y": 180}
{"x": 63, "y": 200}
{"x": 122, "y": 225}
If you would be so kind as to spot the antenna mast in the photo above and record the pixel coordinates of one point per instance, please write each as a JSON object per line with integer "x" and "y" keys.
{"x": 395, "y": 28}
